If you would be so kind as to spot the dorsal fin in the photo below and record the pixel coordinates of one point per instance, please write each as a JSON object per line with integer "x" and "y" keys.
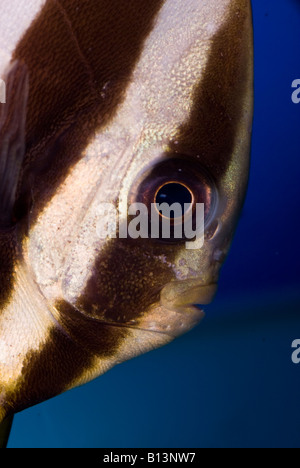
{"x": 12, "y": 138}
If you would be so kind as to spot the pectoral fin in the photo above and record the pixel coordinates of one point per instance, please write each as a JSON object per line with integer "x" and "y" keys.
{"x": 12, "y": 139}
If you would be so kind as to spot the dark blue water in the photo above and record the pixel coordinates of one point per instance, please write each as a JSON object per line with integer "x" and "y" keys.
{"x": 230, "y": 382}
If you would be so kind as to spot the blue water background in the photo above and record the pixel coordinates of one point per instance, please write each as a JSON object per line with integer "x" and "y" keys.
{"x": 231, "y": 381}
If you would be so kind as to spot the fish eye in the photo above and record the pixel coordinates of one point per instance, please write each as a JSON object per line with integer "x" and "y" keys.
{"x": 174, "y": 187}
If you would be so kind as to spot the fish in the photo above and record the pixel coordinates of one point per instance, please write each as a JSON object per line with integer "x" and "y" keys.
{"x": 110, "y": 104}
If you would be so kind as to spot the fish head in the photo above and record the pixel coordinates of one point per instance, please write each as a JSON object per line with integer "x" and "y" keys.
{"x": 95, "y": 280}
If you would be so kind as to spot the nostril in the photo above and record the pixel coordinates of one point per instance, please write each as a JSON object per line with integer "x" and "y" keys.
{"x": 219, "y": 255}
{"x": 211, "y": 231}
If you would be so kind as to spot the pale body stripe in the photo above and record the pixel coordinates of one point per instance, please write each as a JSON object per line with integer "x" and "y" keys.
{"x": 21, "y": 325}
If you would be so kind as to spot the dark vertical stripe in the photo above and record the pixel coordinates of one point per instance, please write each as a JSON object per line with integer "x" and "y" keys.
{"x": 127, "y": 279}
{"x": 218, "y": 99}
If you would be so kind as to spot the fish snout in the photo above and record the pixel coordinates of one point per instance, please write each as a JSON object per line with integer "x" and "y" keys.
{"x": 179, "y": 311}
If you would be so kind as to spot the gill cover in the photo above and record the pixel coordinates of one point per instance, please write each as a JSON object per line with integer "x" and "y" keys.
{"x": 122, "y": 102}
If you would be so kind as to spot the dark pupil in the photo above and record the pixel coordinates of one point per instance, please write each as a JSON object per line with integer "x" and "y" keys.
{"x": 174, "y": 193}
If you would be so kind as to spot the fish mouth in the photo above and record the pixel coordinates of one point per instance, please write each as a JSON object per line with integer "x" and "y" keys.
{"x": 180, "y": 307}
{"x": 187, "y": 293}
